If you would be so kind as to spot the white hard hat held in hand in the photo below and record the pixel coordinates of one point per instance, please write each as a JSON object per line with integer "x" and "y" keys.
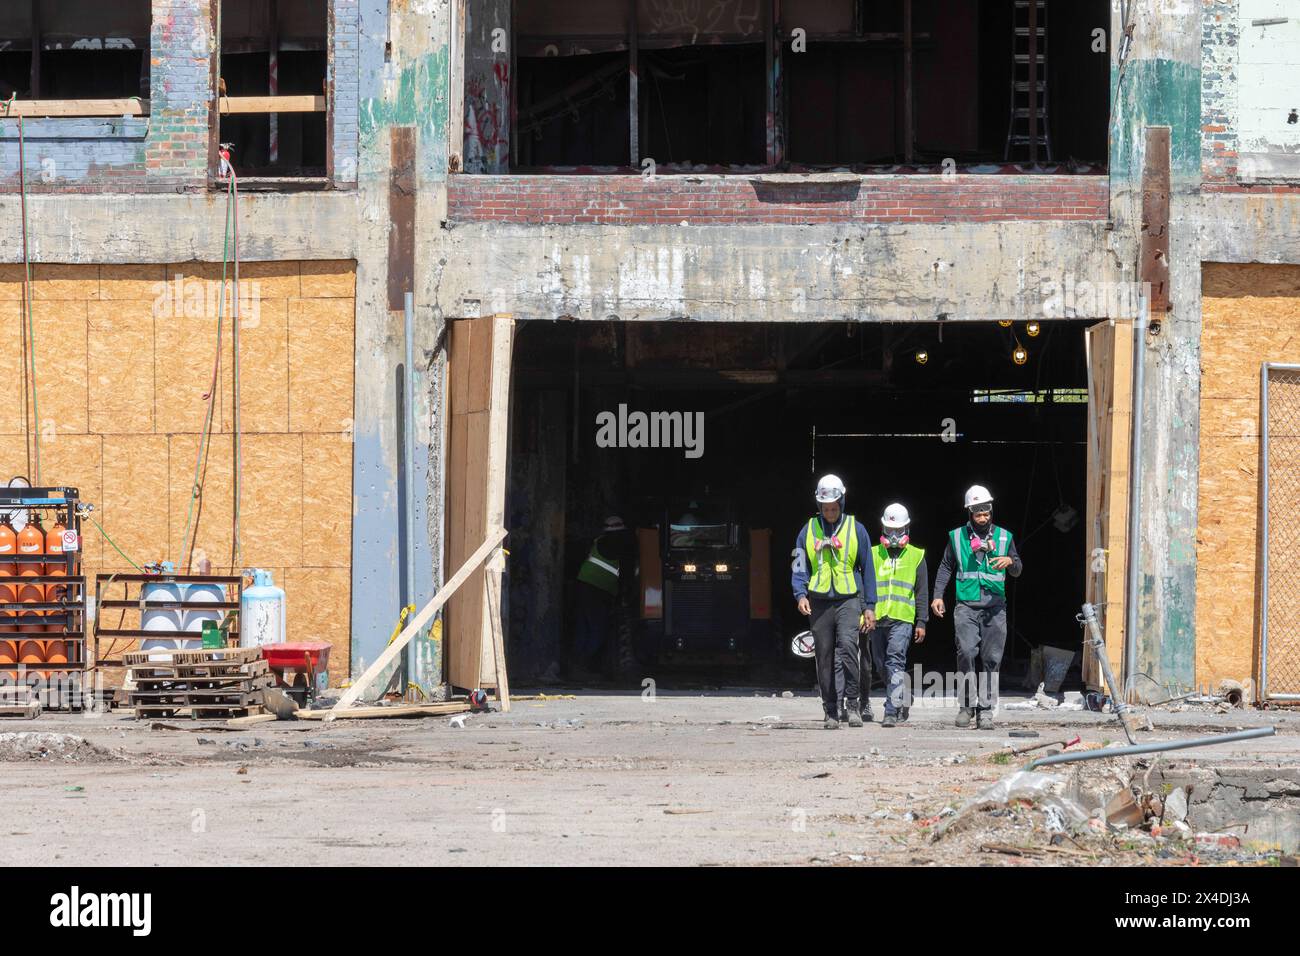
{"x": 830, "y": 488}
{"x": 895, "y": 517}
{"x": 978, "y": 495}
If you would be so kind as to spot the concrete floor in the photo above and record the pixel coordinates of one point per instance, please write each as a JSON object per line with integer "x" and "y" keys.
{"x": 742, "y": 777}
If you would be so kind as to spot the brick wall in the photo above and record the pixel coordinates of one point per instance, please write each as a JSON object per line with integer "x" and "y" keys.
{"x": 1219, "y": 91}
{"x": 632, "y": 200}
{"x": 124, "y": 358}
{"x": 345, "y": 76}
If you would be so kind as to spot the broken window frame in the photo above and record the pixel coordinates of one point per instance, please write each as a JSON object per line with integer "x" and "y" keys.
{"x": 272, "y": 105}
{"x": 61, "y": 108}
{"x": 777, "y": 37}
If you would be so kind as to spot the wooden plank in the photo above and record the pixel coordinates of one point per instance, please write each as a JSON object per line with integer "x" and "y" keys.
{"x": 399, "y": 643}
{"x": 493, "y": 581}
{"x": 251, "y": 720}
{"x": 398, "y": 710}
{"x": 272, "y": 104}
{"x": 39, "y": 108}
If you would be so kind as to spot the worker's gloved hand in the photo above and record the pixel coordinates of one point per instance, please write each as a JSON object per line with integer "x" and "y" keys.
{"x": 919, "y": 636}
{"x": 937, "y": 607}
{"x": 804, "y": 607}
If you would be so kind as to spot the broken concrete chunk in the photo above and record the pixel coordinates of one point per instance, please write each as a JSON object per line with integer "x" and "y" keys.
{"x": 1175, "y": 808}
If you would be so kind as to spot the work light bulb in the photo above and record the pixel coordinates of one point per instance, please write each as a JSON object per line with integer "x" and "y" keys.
{"x": 1020, "y": 356}
{"x": 922, "y": 356}
{"x": 1005, "y": 323}
{"x": 1033, "y": 328}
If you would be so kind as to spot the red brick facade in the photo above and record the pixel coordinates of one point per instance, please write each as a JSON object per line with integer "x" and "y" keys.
{"x": 740, "y": 199}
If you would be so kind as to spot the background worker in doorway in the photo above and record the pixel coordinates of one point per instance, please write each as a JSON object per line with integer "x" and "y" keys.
{"x": 980, "y": 555}
{"x": 602, "y": 582}
{"x": 902, "y": 610}
{"x": 832, "y": 587}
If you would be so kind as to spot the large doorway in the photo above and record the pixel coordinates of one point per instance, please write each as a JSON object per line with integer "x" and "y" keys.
{"x": 911, "y": 413}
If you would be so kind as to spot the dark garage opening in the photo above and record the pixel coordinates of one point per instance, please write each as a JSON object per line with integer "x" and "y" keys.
{"x": 784, "y": 403}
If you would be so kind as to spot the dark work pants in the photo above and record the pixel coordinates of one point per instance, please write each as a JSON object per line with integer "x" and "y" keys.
{"x": 981, "y": 638}
{"x": 595, "y": 609}
{"x": 889, "y": 643}
{"x": 835, "y": 637}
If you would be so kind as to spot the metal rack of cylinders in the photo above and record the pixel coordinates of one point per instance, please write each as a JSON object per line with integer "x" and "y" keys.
{"x": 42, "y": 591}
{"x": 170, "y": 610}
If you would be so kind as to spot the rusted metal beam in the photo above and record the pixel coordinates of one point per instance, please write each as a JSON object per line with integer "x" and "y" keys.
{"x": 1153, "y": 266}
{"x": 401, "y": 213}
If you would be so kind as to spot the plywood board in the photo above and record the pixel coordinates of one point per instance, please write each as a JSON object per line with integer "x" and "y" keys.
{"x": 320, "y": 609}
{"x": 11, "y": 367}
{"x": 271, "y": 501}
{"x": 186, "y": 353}
{"x": 76, "y": 460}
{"x": 120, "y": 357}
{"x": 61, "y": 373}
{"x": 321, "y": 342}
{"x": 327, "y": 501}
{"x": 75, "y": 283}
{"x": 263, "y": 368}
{"x": 145, "y": 283}
{"x": 213, "y": 510}
{"x": 270, "y": 280}
{"x": 134, "y": 506}
{"x": 329, "y": 279}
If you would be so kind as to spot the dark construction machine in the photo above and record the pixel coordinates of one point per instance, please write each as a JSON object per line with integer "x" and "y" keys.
{"x": 706, "y": 588}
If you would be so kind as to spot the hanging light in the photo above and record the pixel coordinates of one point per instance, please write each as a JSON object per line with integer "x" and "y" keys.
{"x": 922, "y": 356}
{"x": 1020, "y": 356}
{"x": 1033, "y": 328}
{"x": 1005, "y": 323}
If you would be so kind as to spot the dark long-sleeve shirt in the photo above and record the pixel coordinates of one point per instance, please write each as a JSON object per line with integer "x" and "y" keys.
{"x": 864, "y": 573}
{"x": 922, "y": 589}
{"x": 948, "y": 567}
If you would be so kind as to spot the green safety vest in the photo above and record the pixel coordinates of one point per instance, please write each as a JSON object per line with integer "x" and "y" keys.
{"x": 599, "y": 571}
{"x": 896, "y": 582}
{"x": 831, "y": 569}
{"x": 973, "y": 571}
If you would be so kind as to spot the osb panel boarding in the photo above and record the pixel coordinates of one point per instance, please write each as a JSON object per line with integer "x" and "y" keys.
{"x": 124, "y": 362}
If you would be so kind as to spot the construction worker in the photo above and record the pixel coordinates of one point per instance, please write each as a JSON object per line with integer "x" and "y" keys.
{"x": 980, "y": 555}
{"x": 602, "y": 581}
{"x": 832, "y": 587}
{"x": 902, "y": 610}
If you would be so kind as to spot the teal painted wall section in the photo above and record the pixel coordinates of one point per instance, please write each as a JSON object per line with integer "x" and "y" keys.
{"x": 421, "y": 100}
{"x": 1155, "y": 92}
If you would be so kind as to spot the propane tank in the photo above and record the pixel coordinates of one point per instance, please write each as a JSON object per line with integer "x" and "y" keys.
{"x": 208, "y": 594}
{"x": 31, "y": 545}
{"x": 8, "y": 571}
{"x": 55, "y": 567}
{"x": 261, "y": 612}
{"x": 161, "y": 619}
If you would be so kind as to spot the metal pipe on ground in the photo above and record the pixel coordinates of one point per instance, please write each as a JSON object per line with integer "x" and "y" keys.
{"x": 1151, "y": 748}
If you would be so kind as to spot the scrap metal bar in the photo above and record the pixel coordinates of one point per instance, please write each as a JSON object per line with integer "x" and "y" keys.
{"x": 1098, "y": 645}
{"x": 1151, "y": 748}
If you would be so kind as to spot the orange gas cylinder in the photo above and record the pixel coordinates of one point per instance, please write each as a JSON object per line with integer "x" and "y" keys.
{"x": 56, "y": 652}
{"x": 8, "y": 569}
{"x": 8, "y": 653}
{"x": 56, "y": 567}
{"x": 31, "y": 653}
{"x": 31, "y": 544}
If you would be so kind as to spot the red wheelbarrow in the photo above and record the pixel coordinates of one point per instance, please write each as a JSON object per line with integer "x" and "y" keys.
{"x": 301, "y": 668}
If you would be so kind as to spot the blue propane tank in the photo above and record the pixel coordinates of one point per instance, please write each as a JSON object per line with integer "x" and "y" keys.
{"x": 209, "y": 594}
{"x": 261, "y": 612}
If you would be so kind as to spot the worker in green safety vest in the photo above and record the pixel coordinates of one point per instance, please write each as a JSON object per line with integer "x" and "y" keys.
{"x": 833, "y": 588}
{"x": 902, "y": 611}
{"x": 979, "y": 555}
{"x": 602, "y": 580}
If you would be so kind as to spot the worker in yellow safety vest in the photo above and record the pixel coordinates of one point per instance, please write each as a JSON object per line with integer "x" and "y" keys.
{"x": 902, "y": 610}
{"x": 833, "y": 588}
{"x": 602, "y": 579}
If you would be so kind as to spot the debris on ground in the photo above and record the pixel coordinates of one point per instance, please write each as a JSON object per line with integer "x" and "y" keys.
{"x": 53, "y": 747}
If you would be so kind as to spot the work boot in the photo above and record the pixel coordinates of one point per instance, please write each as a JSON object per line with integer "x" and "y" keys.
{"x": 903, "y": 714}
{"x": 964, "y": 716}
{"x": 867, "y": 715}
{"x": 889, "y": 721}
{"x": 984, "y": 720}
{"x": 855, "y": 716}
{"x": 830, "y": 723}
{"x": 844, "y": 713}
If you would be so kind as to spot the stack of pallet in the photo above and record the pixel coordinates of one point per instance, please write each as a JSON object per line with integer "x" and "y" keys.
{"x": 222, "y": 682}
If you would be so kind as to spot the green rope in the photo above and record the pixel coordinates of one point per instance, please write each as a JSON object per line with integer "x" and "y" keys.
{"x": 212, "y": 397}
{"x": 114, "y": 544}
{"x": 31, "y": 325}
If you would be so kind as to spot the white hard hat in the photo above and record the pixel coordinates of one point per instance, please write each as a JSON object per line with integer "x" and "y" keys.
{"x": 978, "y": 495}
{"x": 614, "y": 523}
{"x": 802, "y": 645}
{"x": 830, "y": 488}
{"x": 895, "y": 516}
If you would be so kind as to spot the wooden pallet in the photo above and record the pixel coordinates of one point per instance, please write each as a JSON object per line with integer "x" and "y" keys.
{"x": 197, "y": 711}
{"x": 190, "y": 658}
{"x": 233, "y": 681}
{"x": 160, "y": 670}
{"x": 185, "y": 698}
{"x": 19, "y": 700}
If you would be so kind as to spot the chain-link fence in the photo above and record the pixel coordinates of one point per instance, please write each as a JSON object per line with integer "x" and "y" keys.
{"x": 1280, "y": 644}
